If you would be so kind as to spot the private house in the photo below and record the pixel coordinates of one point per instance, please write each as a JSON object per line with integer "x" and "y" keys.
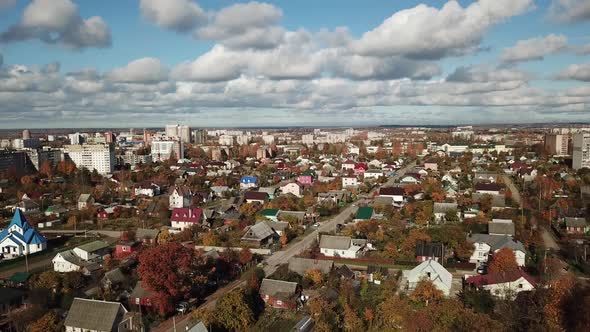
{"x": 576, "y": 225}
{"x": 364, "y": 213}
{"x": 28, "y": 206}
{"x": 127, "y": 248}
{"x": 306, "y": 177}
{"x": 68, "y": 261}
{"x": 349, "y": 164}
{"x": 146, "y": 235}
{"x": 432, "y": 270}
{"x": 141, "y": 296}
{"x": 279, "y": 294}
{"x": 301, "y": 265}
{"x": 114, "y": 280}
{"x": 95, "y": 250}
{"x": 248, "y": 181}
{"x": 440, "y": 211}
{"x": 430, "y": 250}
{"x": 19, "y": 238}
{"x": 501, "y": 227}
{"x": 270, "y": 191}
{"x": 270, "y": 214}
{"x": 488, "y": 188}
{"x": 291, "y": 188}
{"x": 373, "y": 174}
{"x": 503, "y": 285}
{"x": 219, "y": 191}
{"x": 431, "y": 164}
{"x": 486, "y": 245}
{"x": 333, "y": 196}
{"x": 106, "y": 213}
{"x": 180, "y": 197}
{"x": 341, "y": 246}
{"x": 280, "y": 227}
{"x": 485, "y": 177}
{"x": 298, "y": 216}
{"x": 55, "y": 210}
{"x": 350, "y": 182}
{"x": 259, "y": 235}
{"x": 148, "y": 189}
{"x": 85, "y": 201}
{"x": 256, "y": 197}
{"x": 360, "y": 169}
{"x": 397, "y": 193}
{"x": 183, "y": 218}
{"x": 410, "y": 178}
{"x": 100, "y": 316}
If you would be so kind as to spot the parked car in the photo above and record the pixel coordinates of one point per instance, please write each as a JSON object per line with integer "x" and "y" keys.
{"x": 182, "y": 307}
{"x": 482, "y": 269}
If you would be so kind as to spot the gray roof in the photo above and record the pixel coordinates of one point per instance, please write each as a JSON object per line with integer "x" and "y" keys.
{"x": 444, "y": 207}
{"x": 507, "y": 242}
{"x": 300, "y": 265}
{"x": 95, "y": 315}
{"x": 382, "y": 201}
{"x": 259, "y": 231}
{"x": 277, "y": 225}
{"x": 69, "y": 256}
{"x": 497, "y": 200}
{"x": 274, "y": 287}
{"x": 115, "y": 276}
{"x": 575, "y": 222}
{"x": 84, "y": 198}
{"x": 139, "y": 291}
{"x": 146, "y": 233}
{"x": 496, "y": 241}
{"x": 501, "y": 227}
{"x": 335, "y": 242}
{"x": 300, "y": 215}
{"x": 198, "y": 327}
{"x": 93, "y": 246}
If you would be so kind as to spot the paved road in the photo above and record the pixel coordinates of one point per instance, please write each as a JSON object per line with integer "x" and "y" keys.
{"x": 273, "y": 261}
{"x": 515, "y": 193}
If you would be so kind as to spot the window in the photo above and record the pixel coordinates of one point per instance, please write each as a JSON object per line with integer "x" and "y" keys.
{"x": 519, "y": 285}
{"x": 279, "y": 302}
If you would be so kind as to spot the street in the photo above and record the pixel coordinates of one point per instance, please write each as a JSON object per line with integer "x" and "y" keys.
{"x": 273, "y": 261}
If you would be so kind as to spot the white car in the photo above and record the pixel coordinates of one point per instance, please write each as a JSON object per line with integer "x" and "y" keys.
{"x": 317, "y": 224}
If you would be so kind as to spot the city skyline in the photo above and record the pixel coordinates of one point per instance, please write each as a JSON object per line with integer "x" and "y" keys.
{"x": 286, "y": 64}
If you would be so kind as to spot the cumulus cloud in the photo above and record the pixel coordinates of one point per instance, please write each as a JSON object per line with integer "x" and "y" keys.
{"x": 178, "y": 15}
{"x": 59, "y": 22}
{"x": 583, "y": 50}
{"x": 535, "y": 48}
{"x": 578, "y": 72}
{"x": 570, "y": 11}
{"x": 482, "y": 73}
{"x": 144, "y": 70}
{"x": 430, "y": 33}
{"x": 245, "y": 25}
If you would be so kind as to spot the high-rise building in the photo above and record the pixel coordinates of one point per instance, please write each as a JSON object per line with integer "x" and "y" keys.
{"x": 99, "y": 157}
{"x": 76, "y": 138}
{"x": 184, "y": 133}
{"x": 581, "y": 151}
{"x": 557, "y": 144}
{"x": 172, "y": 130}
{"x": 109, "y": 137}
{"x": 226, "y": 140}
{"x": 36, "y": 157}
{"x": 14, "y": 161}
{"x": 26, "y": 134}
{"x": 163, "y": 148}
{"x": 199, "y": 136}
{"x": 307, "y": 139}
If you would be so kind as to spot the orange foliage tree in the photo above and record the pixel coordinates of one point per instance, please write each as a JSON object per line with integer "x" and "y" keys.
{"x": 503, "y": 261}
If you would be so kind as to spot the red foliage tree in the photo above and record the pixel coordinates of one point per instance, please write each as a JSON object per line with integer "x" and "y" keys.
{"x": 503, "y": 261}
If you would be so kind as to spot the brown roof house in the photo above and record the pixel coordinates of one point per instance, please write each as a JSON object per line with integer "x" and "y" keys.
{"x": 259, "y": 235}
{"x": 280, "y": 294}
{"x": 301, "y": 265}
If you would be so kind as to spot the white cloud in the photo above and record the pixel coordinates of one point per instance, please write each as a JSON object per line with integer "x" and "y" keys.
{"x": 535, "y": 48}
{"x": 431, "y": 33}
{"x": 59, "y": 22}
{"x": 570, "y": 11}
{"x": 144, "y": 70}
{"x": 583, "y": 50}
{"x": 245, "y": 25}
{"x": 482, "y": 73}
{"x": 578, "y": 72}
{"x": 178, "y": 15}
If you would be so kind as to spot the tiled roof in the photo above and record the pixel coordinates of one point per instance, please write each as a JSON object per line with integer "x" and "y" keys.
{"x": 256, "y": 195}
{"x": 192, "y": 215}
{"x": 94, "y": 315}
{"x": 498, "y": 278}
{"x": 391, "y": 191}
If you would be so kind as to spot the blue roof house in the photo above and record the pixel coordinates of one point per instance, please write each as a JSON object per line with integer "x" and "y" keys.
{"x": 19, "y": 238}
{"x": 248, "y": 181}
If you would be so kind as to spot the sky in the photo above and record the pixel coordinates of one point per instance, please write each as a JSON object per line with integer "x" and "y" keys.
{"x": 220, "y": 63}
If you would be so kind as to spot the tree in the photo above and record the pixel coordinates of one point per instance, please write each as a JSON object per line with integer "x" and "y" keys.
{"x": 49, "y": 322}
{"x": 233, "y": 312}
{"x": 393, "y": 312}
{"x": 352, "y": 322}
{"x": 315, "y": 276}
{"x": 46, "y": 168}
{"x": 172, "y": 271}
{"x": 464, "y": 250}
{"x": 426, "y": 291}
{"x": 322, "y": 311}
{"x": 210, "y": 239}
{"x": 49, "y": 280}
{"x": 72, "y": 281}
{"x": 26, "y": 180}
{"x": 246, "y": 256}
{"x": 503, "y": 261}
{"x": 164, "y": 237}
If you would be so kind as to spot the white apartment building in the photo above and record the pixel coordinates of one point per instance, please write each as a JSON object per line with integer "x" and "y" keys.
{"x": 243, "y": 139}
{"x": 307, "y": 139}
{"x": 557, "y": 144}
{"x": 335, "y": 138}
{"x": 163, "y": 148}
{"x": 581, "y": 151}
{"x": 99, "y": 157}
{"x": 268, "y": 139}
{"x": 226, "y": 140}
{"x": 183, "y": 133}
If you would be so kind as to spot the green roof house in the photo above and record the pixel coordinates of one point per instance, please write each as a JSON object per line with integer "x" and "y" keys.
{"x": 270, "y": 214}
{"x": 364, "y": 213}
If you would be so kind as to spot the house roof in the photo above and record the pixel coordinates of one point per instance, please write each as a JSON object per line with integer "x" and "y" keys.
{"x": 391, "y": 191}
{"x": 146, "y": 233}
{"x": 256, "y": 195}
{"x": 192, "y": 215}
{"x": 432, "y": 266}
{"x": 84, "y": 198}
{"x": 300, "y": 265}
{"x": 93, "y": 246}
{"x": 498, "y": 278}
{"x": 259, "y": 231}
{"x": 299, "y": 215}
{"x": 278, "y": 288}
{"x": 93, "y": 314}
{"x": 575, "y": 222}
{"x": 139, "y": 292}
{"x": 345, "y": 272}
{"x": 487, "y": 187}
{"x": 115, "y": 276}
{"x": 335, "y": 242}
{"x": 269, "y": 212}
{"x": 248, "y": 179}
{"x": 501, "y": 227}
{"x": 28, "y": 235}
{"x": 444, "y": 207}
{"x": 364, "y": 212}
{"x": 430, "y": 249}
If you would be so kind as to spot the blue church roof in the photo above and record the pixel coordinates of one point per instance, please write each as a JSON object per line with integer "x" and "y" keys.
{"x": 19, "y": 220}
{"x": 248, "y": 179}
{"x": 29, "y": 235}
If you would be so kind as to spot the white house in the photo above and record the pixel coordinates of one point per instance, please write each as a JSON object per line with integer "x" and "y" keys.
{"x": 84, "y": 201}
{"x": 67, "y": 261}
{"x": 373, "y": 174}
{"x": 19, "y": 238}
{"x": 349, "y": 182}
{"x": 396, "y": 193}
{"x": 291, "y": 188}
{"x": 432, "y": 270}
{"x": 503, "y": 285}
{"x": 94, "y": 250}
{"x": 147, "y": 189}
{"x": 183, "y": 218}
{"x": 441, "y": 209}
{"x": 180, "y": 197}
{"x": 349, "y": 164}
{"x": 341, "y": 246}
{"x": 486, "y": 245}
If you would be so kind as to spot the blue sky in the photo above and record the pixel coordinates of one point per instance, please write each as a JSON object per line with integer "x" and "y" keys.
{"x": 227, "y": 63}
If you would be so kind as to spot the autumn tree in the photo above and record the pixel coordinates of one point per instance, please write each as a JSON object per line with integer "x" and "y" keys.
{"x": 408, "y": 247}
{"x": 48, "y": 280}
{"x": 46, "y": 168}
{"x": 322, "y": 312}
{"x": 503, "y": 261}
{"x": 426, "y": 291}
{"x": 171, "y": 270}
{"x": 392, "y": 313}
{"x": 210, "y": 239}
{"x": 233, "y": 312}
{"x": 315, "y": 276}
{"x": 164, "y": 237}
{"x": 246, "y": 256}
{"x": 49, "y": 322}
{"x": 351, "y": 320}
